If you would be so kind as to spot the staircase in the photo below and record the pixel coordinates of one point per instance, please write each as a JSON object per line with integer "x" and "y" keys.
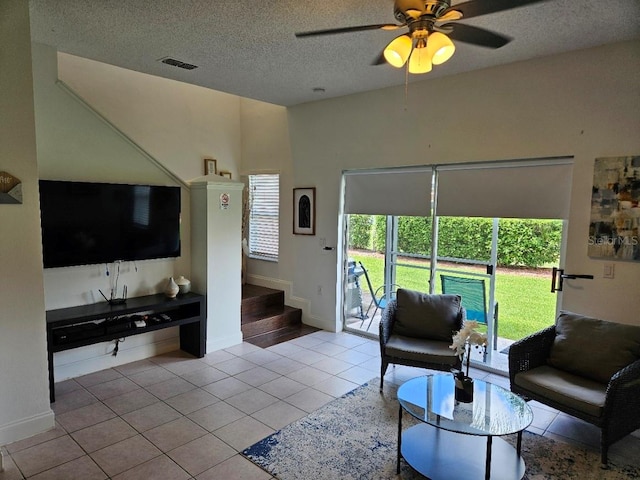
{"x": 266, "y": 320}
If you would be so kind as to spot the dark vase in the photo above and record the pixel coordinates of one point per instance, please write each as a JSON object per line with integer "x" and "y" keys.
{"x": 463, "y": 388}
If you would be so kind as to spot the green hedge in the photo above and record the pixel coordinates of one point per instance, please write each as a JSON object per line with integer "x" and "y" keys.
{"x": 360, "y": 231}
{"x": 522, "y": 242}
{"x": 531, "y": 243}
{"x": 414, "y": 235}
{"x": 379, "y": 233}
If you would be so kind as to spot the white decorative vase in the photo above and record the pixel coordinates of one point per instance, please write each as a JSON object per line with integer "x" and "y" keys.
{"x": 172, "y": 289}
{"x": 184, "y": 285}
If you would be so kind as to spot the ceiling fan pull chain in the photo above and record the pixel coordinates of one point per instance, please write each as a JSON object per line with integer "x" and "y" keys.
{"x": 406, "y": 86}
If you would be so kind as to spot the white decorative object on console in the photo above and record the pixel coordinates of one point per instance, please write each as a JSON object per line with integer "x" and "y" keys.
{"x": 184, "y": 285}
{"x": 171, "y": 290}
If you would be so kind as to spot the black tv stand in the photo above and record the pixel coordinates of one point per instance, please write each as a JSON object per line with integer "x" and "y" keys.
{"x": 74, "y": 327}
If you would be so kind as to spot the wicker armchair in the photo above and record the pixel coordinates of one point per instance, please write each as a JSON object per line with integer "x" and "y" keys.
{"x": 612, "y": 406}
{"x": 427, "y": 346}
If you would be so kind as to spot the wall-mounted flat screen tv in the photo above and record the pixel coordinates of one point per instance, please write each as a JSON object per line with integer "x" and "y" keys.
{"x": 89, "y": 223}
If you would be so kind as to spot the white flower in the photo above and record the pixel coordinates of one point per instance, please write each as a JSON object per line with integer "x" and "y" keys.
{"x": 477, "y": 338}
{"x": 467, "y": 336}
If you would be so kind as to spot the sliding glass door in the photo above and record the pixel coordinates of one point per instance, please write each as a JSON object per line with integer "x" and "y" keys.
{"x": 406, "y": 247}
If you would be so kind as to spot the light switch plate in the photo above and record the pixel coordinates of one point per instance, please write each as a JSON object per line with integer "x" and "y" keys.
{"x": 609, "y": 270}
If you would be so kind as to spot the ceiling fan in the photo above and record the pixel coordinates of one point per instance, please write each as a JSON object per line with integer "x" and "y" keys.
{"x": 430, "y": 30}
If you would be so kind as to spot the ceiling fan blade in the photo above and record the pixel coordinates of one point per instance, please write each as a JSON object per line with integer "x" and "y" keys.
{"x": 360, "y": 28}
{"x": 450, "y": 15}
{"x": 476, "y": 36}
{"x": 475, "y": 8}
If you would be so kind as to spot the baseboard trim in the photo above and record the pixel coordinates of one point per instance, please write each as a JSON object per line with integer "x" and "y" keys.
{"x": 317, "y": 322}
{"x": 125, "y": 355}
{"x": 224, "y": 342}
{"x": 26, "y": 427}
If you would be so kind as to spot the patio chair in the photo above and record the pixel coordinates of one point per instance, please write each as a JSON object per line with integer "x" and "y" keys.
{"x": 474, "y": 300}
{"x": 585, "y": 367}
{"x": 416, "y": 330}
{"x": 379, "y": 297}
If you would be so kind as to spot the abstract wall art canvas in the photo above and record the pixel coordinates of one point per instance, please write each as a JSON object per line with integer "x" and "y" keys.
{"x": 614, "y": 231}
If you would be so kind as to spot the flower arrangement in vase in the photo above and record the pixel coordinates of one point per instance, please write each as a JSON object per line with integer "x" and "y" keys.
{"x": 462, "y": 342}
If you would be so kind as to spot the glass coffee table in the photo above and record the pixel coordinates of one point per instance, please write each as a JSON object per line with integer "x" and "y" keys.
{"x": 455, "y": 438}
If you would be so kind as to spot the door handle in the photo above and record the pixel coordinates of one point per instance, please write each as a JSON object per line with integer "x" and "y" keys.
{"x": 558, "y": 277}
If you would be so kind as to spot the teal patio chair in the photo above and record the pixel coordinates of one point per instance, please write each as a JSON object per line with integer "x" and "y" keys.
{"x": 474, "y": 299}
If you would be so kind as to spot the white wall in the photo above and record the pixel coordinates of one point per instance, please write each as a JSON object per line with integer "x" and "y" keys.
{"x": 24, "y": 401}
{"x": 177, "y": 123}
{"x": 266, "y": 149}
{"x": 584, "y": 104}
{"x": 174, "y": 123}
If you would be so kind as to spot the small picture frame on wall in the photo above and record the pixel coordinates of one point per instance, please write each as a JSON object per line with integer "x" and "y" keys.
{"x": 225, "y": 173}
{"x": 304, "y": 211}
{"x": 210, "y": 166}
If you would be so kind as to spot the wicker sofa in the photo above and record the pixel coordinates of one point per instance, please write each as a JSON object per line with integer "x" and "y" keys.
{"x": 585, "y": 367}
{"x": 416, "y": 330}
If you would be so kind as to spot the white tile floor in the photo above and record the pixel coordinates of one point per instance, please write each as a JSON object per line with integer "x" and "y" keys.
{"x": 177, "y": 417}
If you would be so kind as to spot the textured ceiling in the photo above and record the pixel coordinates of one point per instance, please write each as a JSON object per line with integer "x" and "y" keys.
{"x": 248, "y": 48}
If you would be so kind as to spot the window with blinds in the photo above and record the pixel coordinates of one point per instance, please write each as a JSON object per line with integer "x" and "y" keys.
{"x": 264, "y": 201}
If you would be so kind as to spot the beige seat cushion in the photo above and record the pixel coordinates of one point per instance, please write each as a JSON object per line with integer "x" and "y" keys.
{"x": 421, "y": 315}
{"x": 593, "y": 348}
{"x": 575, "y": 391}
{"x": 420, "y": 349}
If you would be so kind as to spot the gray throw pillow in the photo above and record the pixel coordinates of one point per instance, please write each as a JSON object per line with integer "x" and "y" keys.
{"x": 434, "y": 317}
{"x": 593, "y": 348}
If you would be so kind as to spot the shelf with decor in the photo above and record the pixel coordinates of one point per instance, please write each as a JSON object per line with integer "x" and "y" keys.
{"x": 82, "y": 325}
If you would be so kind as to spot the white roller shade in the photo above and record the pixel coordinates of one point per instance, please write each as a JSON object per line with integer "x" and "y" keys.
{"x": 389, "y": 192}
{"x": 513, "y": 190}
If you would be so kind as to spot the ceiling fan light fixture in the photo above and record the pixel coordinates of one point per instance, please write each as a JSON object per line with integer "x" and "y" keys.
{"x": 398, "y": 51}
{"x": 440, "y": 48}
{"x": 420, "y": 61}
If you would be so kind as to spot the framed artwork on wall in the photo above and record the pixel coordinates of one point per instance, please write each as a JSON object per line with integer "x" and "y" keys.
{"x": 10, "y": 188}
{"x": 225, "y": 173}
{"x": 614, "y": 230}
{"x": 210, "y": 166}
{"x": 304, "y": 211}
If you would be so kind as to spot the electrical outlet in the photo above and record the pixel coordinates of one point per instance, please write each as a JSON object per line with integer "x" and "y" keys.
{"x": 609, "y": 270}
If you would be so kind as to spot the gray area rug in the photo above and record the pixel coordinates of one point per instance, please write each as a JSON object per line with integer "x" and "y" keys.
{"x": 354, "y": 438}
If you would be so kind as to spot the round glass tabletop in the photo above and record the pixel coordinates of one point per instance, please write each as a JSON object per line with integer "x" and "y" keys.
{"x": 494, "y": 410}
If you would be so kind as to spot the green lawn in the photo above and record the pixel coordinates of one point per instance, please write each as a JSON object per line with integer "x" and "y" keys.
{"x": 526, "y": 304}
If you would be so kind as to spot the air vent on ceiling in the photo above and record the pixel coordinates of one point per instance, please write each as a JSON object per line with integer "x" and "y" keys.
{"x": 178, "y": 63}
